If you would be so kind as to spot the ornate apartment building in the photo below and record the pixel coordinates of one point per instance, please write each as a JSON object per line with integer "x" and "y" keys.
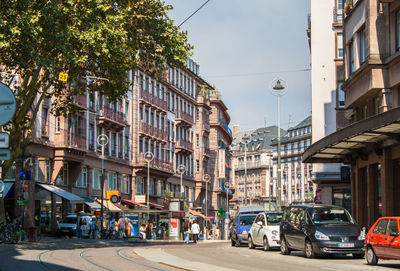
{"x": 253, "y": 167}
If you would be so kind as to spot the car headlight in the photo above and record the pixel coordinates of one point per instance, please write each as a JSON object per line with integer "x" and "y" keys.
{"x": 320, "y": 236}
{"x": 274, "y": 232}
{"x": 244, "y": 232}
{"x": 362, "y": 235}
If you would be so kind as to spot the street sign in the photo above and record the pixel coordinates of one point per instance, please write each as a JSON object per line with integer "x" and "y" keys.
{"x": 26, "y": 186}
{"x": 114, "y": 198}
{"x": 22, "y": 202}
{"x": 7, "y": 104}
{"x": 63, "y": 77}
{"x": 102, "y": 140}
{"x": 4, "y": 140}
{"x": 5, "y": 154}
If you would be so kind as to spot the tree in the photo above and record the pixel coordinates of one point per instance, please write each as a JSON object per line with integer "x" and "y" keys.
{"x": 102, "y": 38}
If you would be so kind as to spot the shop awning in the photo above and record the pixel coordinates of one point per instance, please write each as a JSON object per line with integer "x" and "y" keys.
{"x": 111, "y": 207}
{"x": 195, "y": 213}
{"x": 356, "y": 140}
{"x": 131, "y": 202}
{"x": 74, "y": 199}
{"x": 94, "y": 206}
{"x": 157, "y": 206}
{"x": 7, "y": 188}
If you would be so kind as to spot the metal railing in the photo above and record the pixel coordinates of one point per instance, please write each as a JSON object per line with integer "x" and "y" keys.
{"x": 185, "y": 144}
{"x": 156, "y": 163}
{"x": 112, "y": 115}
{"x": 153, "y": 100}
{"x": 184, "y": 116}
{"x": 75, "y": 141}
{"x": 79, "y": 100}
{"x": 152, "y": 131}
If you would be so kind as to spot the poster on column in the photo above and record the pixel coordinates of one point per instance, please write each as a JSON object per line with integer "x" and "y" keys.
{"x": 221, "y": 163}
{"x": 173, "y": 229}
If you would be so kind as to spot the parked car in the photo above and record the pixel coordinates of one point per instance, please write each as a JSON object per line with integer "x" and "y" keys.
{"x": 242, "y": 223}
{"x": 67, "y": 226}
{"x": 383, "y": 241}
{"x": 319, "y": 229}
{"x": 265, "y": 230}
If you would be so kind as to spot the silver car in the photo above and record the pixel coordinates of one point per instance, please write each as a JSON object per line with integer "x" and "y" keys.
{"x": 265, "y": 230}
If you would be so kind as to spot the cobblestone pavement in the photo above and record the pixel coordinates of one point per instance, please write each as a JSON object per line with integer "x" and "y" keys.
{"x": 76, "y": 254}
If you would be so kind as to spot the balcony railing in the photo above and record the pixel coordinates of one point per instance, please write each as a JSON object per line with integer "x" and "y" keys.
{"x": 75, "y": 141}
{"x": 156, "y": 163}
{"x": 80, "y": 100}
{"x": 206, "y": 126}
{"x": 112, "y": 115}
{"x": 185, "y": 144}
{"x": 153, "y": 100}
{"x": 225, "y": 126}
{"x": 184, "y": 116}
{"x": 250, "y": 165}
{"x": 337, "y": 15}
{"x": 207, "y": 151}
{"x": 152, "y": 131}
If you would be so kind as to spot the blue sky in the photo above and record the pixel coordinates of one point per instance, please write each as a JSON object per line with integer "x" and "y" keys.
{"x": 242, "y": 46}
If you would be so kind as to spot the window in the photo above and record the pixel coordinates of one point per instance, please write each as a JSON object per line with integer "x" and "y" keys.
{"x": 82, "y": 179}
{"x": 340, "y": 96}
{"x": 139, "y": 186}
{"x": 339, "y": 45}
{"x": 58, "y": 124}
{"x": 393, "y": 228}
{"x": 62, "y": 178}
{"x": 351, "y": 57}
{"x": 95, "y": 179}
{"x": 380, "y": 228}
{"x": 197, "y": 140}
{"x": 125, "y": 184}
{"x": 45, "y": 116}
{"x": 112, "y": 181}
{"x": 363, "y": 46}
{"x": 197, "y": 165}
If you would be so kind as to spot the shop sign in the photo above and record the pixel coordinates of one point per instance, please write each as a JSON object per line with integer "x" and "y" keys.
{"x": 111, "y": 193}
{"x": 22, "y": 202}
{"x": 140, "y": 198}
{"x": 178, "y": 214}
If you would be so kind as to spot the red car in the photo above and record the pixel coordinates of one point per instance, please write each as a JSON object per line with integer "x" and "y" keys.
{"x": 382, "y": 240}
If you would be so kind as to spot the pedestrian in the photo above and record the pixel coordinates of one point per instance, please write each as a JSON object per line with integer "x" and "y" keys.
{"x": 195, "y": 231}
{"x": 93, "y": 228}
{"x": 142, "y": 231}
{"x": 148, "y": 230}
{"x": 121, "y": 227}
{"x": 154, "y": 230}
{"x": 186, "y": 231}
{"x": 79, "y": 227}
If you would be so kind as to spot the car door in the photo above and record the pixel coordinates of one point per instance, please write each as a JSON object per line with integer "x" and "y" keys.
{"x": 255, "y": 229}
{"x": 378, "y": 237}
{"x": 261, "y": 229}
{"x": 289, "y": 227}
{"x": 392, "y": 240}
{"x": 298, "y": 229}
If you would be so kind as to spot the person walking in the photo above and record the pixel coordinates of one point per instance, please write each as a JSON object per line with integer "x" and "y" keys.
{"x": 93, "y": 228}
{"x": 186, "y": 231}
{"x": 195, "y": 231}
{"x": 154, "y": 230}
{"x": 148, "y": 230}
{"x": 78, "y": 227}
{"x": 121, "y": 227}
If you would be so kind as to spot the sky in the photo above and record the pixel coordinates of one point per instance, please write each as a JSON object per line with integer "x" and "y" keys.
{"x": 243, "y": 46}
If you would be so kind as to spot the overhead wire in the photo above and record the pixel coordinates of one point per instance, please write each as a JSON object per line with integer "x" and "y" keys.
{"x": 184, "y": 21}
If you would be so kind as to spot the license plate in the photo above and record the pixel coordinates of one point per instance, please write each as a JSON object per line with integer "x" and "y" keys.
{"x": 346, "y": 245}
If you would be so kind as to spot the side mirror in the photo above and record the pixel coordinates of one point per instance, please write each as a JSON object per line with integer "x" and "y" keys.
{"x": 260, "y": 223}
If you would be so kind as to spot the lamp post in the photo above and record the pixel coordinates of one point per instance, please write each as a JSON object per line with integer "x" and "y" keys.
{"x": 226, "y": 185}
{"x": 206, "y": 179}
{"x": 181, "y": 170}
{"x": 278, "y": 90}
{"x": 245, "y": 142}
{"x": 148, "y": 156}
{"x": 102, "y": 140}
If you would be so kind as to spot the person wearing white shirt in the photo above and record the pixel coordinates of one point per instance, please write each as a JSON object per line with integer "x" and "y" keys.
{"x": 195, "y": 231}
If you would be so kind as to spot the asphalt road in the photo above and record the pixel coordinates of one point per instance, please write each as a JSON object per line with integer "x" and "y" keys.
{"x": 73, "y": 254}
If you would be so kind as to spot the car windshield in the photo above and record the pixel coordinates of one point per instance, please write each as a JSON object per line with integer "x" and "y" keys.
{"x": 274, "y": 219}
{"x": 331, "y": 216}
{"x": 69, "y": 220}
{"x": 246, "y": 220}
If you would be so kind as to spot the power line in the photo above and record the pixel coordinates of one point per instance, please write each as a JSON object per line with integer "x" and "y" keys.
{"x": 257, "y": 73}
{"x": 193, "y": 13}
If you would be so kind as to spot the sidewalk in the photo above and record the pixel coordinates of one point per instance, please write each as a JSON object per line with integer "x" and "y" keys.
{"x": 136, "y": 240}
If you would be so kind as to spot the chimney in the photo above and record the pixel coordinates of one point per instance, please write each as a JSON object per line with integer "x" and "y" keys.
{"x": 236, "y": 129}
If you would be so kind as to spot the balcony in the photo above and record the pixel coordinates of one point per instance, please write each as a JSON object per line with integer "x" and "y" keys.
{"x": 76, "y": 142}
{"x": 252, "y": 165}
{"x": 80, "y": 101}
{"x": 148, "y": 130}
{"x": 184, "y": 118}
{"x": 153, "y": 100}
{"x": 207, "y": 152}
{"x": 182, "y": 145}
{"x": 111, "y": 119}
{"x": 206, "y": 126}
{"x": 337, "y": 17}
{"x": 156, "y": 163}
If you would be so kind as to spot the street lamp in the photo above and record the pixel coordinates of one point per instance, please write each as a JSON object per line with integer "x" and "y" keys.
{"x": 206, "y": 179}
{"x": 278, "y": 90}
{"x": 226, "y": 185}
{"x": 102, "y": 140}
{"x": 181, "y": 170}
{"x": 245, "y": 142}
{"x": 148, "y": 156}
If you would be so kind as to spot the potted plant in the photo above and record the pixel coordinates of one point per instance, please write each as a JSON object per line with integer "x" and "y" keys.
{"x": 348, "y": 7}
{"x": 167, "y": 197}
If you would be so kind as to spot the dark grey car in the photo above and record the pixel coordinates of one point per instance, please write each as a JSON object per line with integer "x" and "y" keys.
{"x": 319, "y": 229}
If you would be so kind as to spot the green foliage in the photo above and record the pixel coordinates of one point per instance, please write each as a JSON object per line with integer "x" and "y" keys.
{"x": 102, "y": 38}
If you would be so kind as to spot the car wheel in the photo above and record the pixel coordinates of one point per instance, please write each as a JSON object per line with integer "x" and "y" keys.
{"x": 250, "y": 242}
{"x": 371, "y": 257}
{"x": 266, "y": 244}
{"x": 309, "y": 250}
{"x": 284, "y": 247}
{"x": 358, "y": 255}
{"x": 237, "y": 242}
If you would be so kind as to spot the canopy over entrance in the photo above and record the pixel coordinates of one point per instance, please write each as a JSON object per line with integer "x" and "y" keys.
{"x": 74, "y": 199}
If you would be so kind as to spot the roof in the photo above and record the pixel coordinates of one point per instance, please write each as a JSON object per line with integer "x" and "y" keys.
{"x": 74, "y": 199}
{"x": 304, "y": 123}
{"x": 287, "y": 137}
{"x": 356, "y": 140}
{"x": 250, "y": 209}
{"x": 259, "y": 139}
